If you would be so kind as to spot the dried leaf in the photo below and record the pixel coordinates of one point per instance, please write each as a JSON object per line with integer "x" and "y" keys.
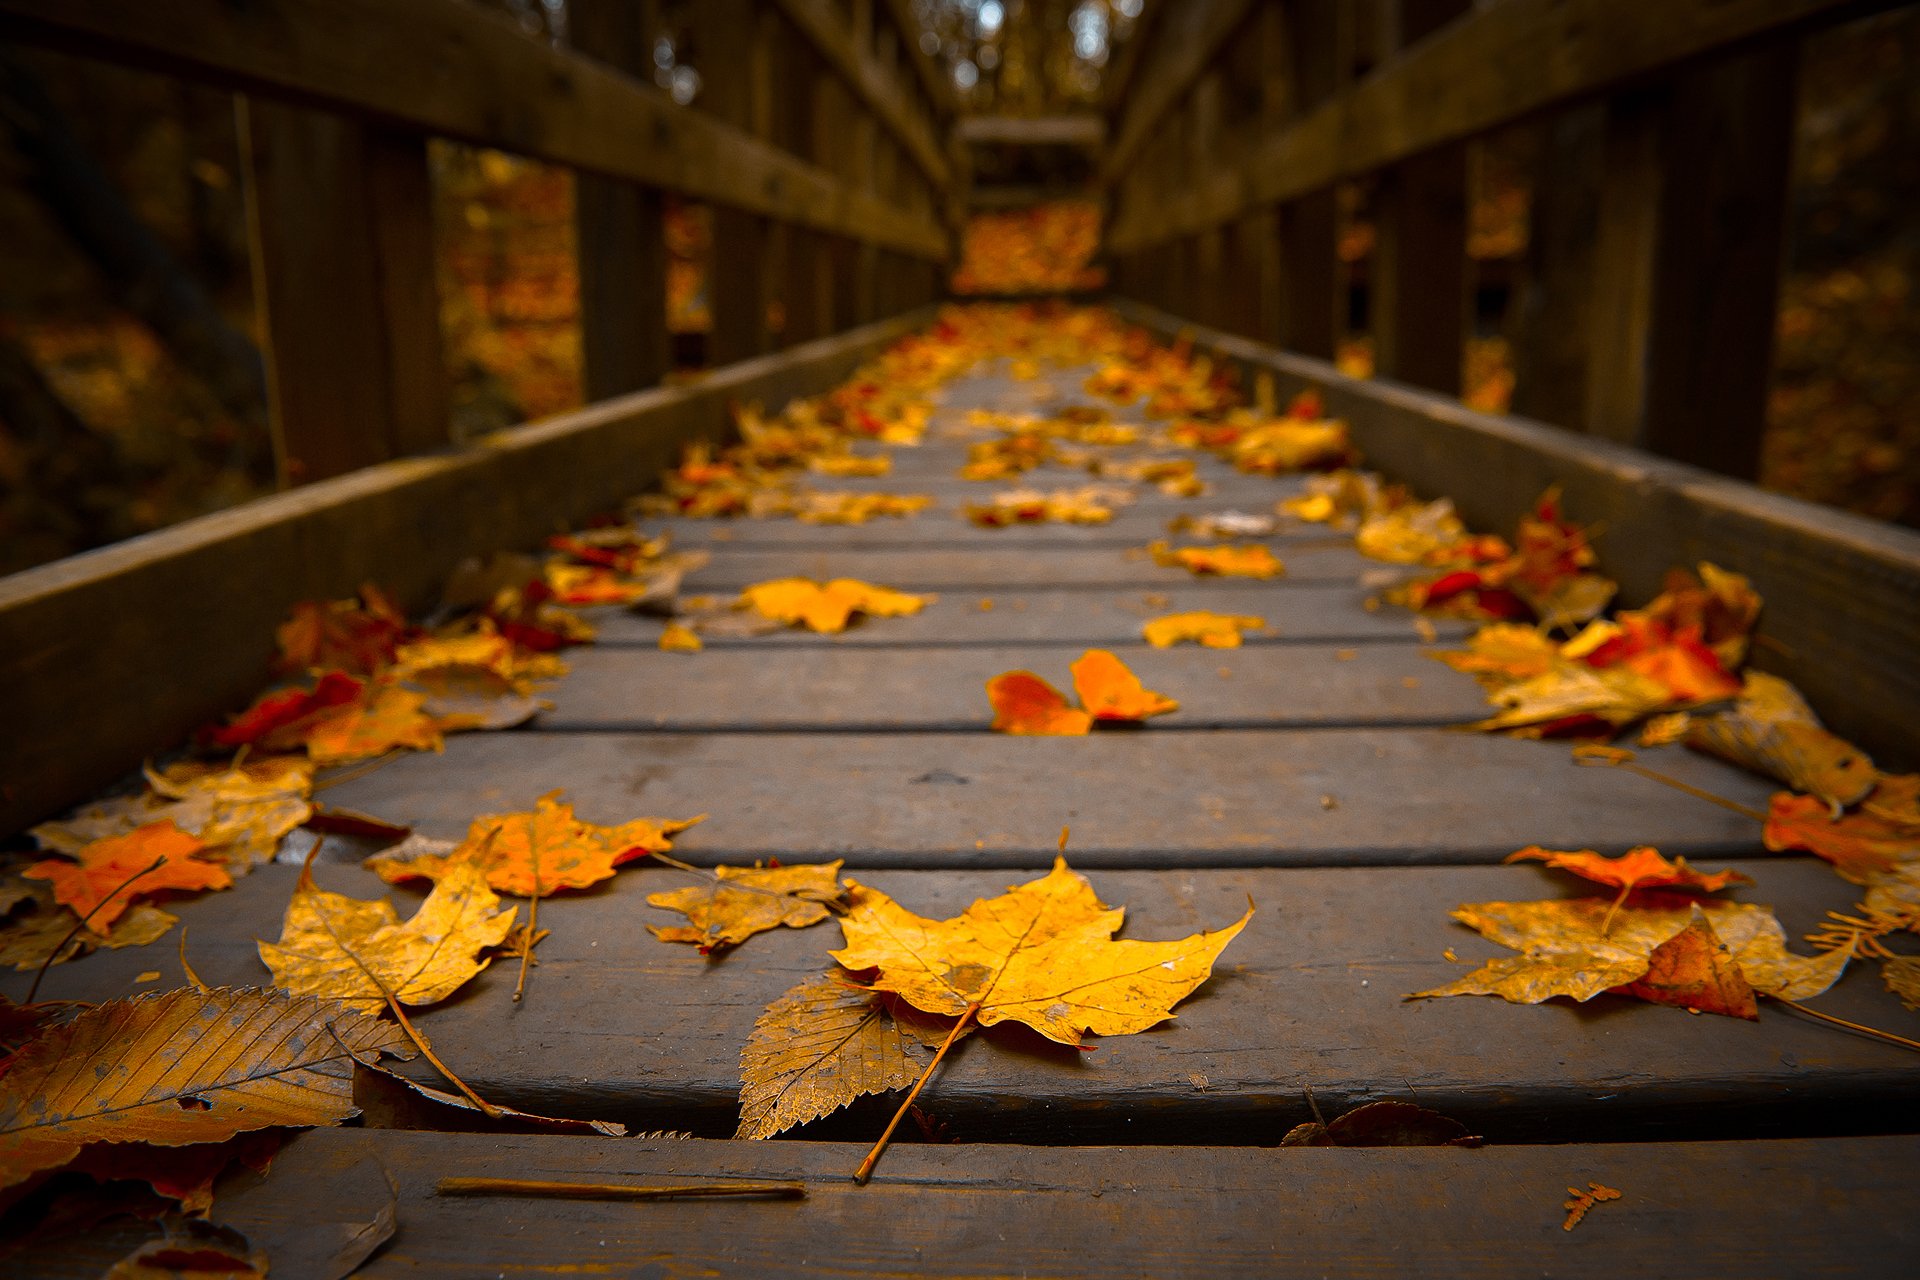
{"x": 1772, "y": 731}
{"x": 743, "y": 901}
{"x": 1697, "y": 972}
{"x": 1860, "y": 845}
{"x": 1213, "y": 630}
{"x": 827, "y": 607}
{"x": 193, "y": 1247}
{"x": 1565, "y": 952}
{"x": 355, "y": 636}
{"x": 1579, "y": 1202}
{"x": 251, "y": 806}
{"x": 1109, "y": 691}
{"x": 280, "y": 719}
{"x": 1640, "y": 868}
{"x": 1042, "y": 954}
{"x": 1383, "y": 1124}
{"x": 540, "y": 851}
{"x": 96, "y": 880}
{"x": 183, "y": 1174}
{"x": 183, "y": 1067}
{"x": 358, "y": 952}
{"x": 30, "y": 937}
{"x": 384, "y": 718}
{"x": 675, "y": 638}
{"x": 820, "y": 1046}
{"x": 1026, "y": 705}
{"x": 1251, "y": 561}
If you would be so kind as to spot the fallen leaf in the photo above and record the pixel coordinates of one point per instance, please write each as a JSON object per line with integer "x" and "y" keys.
{"x": 1640, "y": 868}
{"x": 386, "y": 718}
{"x": 675, "y": 638}
{"x": 743, "y": 901}
{"x": 183, "y": 1067}
{"x": 193, "y": 1247}
{"x": 1772, "y": 731}
{"x": 828, "y": 607}
{"x": 1387, "y": 1123}
{"x": 849, "y": 464}
{"x": 1213, "y": 630}
{"x": 1109, "y": 691}
{"x": 279, "y": 718}
{"x": 1251, "y": 561}
{"x": 252, "y": 805}
{"x": 1695, "y": 971}
{"x": 538, "y": 851}
{"x": 95, "y": 882}
{"x": 1565, "y": 953}
{"x": 1041, "y": 954}
{"x": 820, "y": 1046}
{"x": 183, "y": 1174}
{"x": 359, "y": 952}
{"x": 1860, "y": 845}
{"x": 355, "y": 636}
{"x": 30, "y": 937}
{"x": 1026, "y": 705}
{"x": 1579, "y": 1202}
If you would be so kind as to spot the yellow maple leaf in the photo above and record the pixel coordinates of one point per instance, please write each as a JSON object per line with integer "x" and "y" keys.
{"x": 1252, "y": 561}
{"x": 1042, "y": 954}
{"x": 828, "y": 607}
{"x": 743, "y": 901}
{"x": 359, "y": 952}
{"x": 385, "y": 717}
{"x": 1213, "y": 630}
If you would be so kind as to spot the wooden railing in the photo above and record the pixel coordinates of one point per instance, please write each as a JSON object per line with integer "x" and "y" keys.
{"x": 817, "y": 139}
{"x": 1654, "y": 316}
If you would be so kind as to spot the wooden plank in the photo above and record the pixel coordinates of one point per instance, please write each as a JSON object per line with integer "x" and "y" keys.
{"x": 1843, "y": 592}
{"x": 936, "y": 570}
{"x": 340, "y": 222}
{"x": 1324, "y": 613}
{"x": 944, "y": 525}
{"x": 965, "y": 1211}
{"x": 1220, "y": 799}
{"x": 873, "y": 688}
{"x": 620, "y": 228}
{"x": 121, "y": 652}
{"x": 1085, "y": 129}
{"x": 457, "y": 71}
{"x": 822, "y": 24}
{"x": 1182, "y": 47}
{"x": 1501, "y": 63}
{"x": 1310, "y": 996}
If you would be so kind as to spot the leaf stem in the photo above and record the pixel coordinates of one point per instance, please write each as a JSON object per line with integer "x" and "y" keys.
{"x": 865, "y": 1170}
{"x": 1863, "y": 1029}
{"x": 614, "y": 1190}
{"x": 1665, "y": 780}
{"x": 81, "y": 923}
{"x": 533, "y": 929}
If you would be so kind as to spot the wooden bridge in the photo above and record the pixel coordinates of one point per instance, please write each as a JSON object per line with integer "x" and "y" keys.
{"x": 1319, "y": 769}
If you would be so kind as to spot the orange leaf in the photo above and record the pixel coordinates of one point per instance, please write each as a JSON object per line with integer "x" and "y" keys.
{"x": 357, "y": 636}
{"x": 1641, "y": 868}
{"x": 1252, "y": 561}
{"x": 386, "y": 716}
{"x": 1109, "y": 691}
{"x": 1860, "y": 845}
{"x": 542, "y": 850}
{"x": 90, "y": 879}
{"x": 279, "y": 718}
{"x": 1694, "y": 970}
{"x": 1025, "y": 704}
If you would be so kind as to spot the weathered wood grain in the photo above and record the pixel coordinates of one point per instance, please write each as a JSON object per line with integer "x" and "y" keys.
{"x": 617, "y": 1024}
{"x": 458, "y": 71}
{"x": 1135, "y": 798}
{"x": 881, "y": 689}
{"x": 1843, "y": 592}
{"x": 1304, "y": 612}
{"x": 941, "y": 568}
{"x": 967, "y": 1211}
{"x": 109, "y": 656}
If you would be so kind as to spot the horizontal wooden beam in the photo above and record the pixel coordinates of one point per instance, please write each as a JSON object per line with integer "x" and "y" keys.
{"x": 1842, "y": 592}
{"x": 116, "y": 654}
{"x": 457, "y": 71}
{"x": 820, "y": 21}
{"x": 1184, "y": 43}
{"x": 1020, "y": 197}
{"x": 1495, "y": 65}
{"x": 1081, "y": 130}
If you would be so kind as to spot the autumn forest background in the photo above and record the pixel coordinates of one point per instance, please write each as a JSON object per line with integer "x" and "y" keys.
{"x": 132, "y": 394}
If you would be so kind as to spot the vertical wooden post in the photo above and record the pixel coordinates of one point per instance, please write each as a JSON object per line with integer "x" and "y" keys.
{"x": 1310, "y": 319}
{"x": 1208, "y": 302}
{"x": 1419, "y": 294}
{"x": 340, "y": 219}
{"x": 1686, "y": 281}
{"x": 1553, "y": 328}
{"x": 733, "y": 51}
{"x": 620, "y": 227}
{"x": 800, "y": 76}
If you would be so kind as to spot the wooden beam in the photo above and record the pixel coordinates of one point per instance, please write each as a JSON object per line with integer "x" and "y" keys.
{"x": 456, "y": 71}
{"x": 340, "y": 222}
{"x": 1184, "y": 44}
{"x": 1499, "y": 64}
{"x": 735, "y": 42}
{"x": 111, "y": 656}
{"x": 1082, "y": 130}
{"x": 820, "y": 21}
{"x": 1316, "y": 39}
{"x": 1553, "y": 324}
{"x": 933, "y": 79}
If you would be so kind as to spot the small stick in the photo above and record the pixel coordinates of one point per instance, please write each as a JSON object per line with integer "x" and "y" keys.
{"x": 186, "y": 968}
{"x": 615, "y": 1190}
{"x": 1864, "y": 1030}
{"x": 865, "y": 1170}
{"x": 533, "y": 927}
{"x": 1678, "y": 785}
{"x": 81, "y": 923}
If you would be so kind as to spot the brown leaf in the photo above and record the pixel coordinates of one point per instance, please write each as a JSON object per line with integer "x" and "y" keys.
{"x": 1696, "y": 971}
{"x": 1772, "y": 731}
{"x": 1383, "y": 1124}
{"x": 193, "y": 1247}
{"x": 183, "y": 1067}
{"x": 743, "y": 901}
